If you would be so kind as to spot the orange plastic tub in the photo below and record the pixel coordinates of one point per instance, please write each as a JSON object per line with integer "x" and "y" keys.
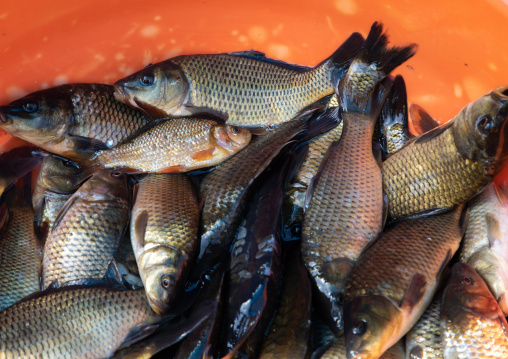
{"x": 462, "y": 53}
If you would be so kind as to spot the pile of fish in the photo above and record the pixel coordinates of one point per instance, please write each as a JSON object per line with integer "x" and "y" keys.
{"x": 235, "y": 206}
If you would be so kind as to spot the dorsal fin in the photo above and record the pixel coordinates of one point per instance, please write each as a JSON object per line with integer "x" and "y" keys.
{"x": 422, "y": 121}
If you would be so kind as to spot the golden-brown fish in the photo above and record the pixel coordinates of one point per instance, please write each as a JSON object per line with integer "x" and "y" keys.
{"x": 452, "y": 163}
{"x": 85, "y": 235}
{"x": 171, "y": 146}
{"x": 20, "y": 252}
{"x": 472, "y": 324}
{"x": 54, "y": 186}
{"x": 163, "y": 228}
{"x": 246, "y": 89}
{"x": 346, "y": 209}
{"x": 70, "y": 118}
{"x": 338, "y": 351}
{"x": 485, "y": 245}
{"x": 395, "y": 279}
{"x": 423, "y": 341}
{"x": 75, "y": 322}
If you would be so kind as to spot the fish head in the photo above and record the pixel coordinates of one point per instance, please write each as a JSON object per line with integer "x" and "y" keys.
{"x": 158, "y": 89}
{"x": 369, "y": 325}
{"x": 231, "y": 138}
{"x": 466, "y": 289}
{"x": 57, "y": 174}
{"x": 106, "y": 184}
{"x": 38, "y": 117}
{"x": 480, "y": 132}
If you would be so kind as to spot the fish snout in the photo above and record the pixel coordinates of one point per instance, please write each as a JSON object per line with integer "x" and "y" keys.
{"x": 3, "y": 117}
{"x": 501, "y": 94}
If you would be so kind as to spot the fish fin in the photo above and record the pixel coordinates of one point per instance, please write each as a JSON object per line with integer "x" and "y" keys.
{"x": 319, "y": 124}
{"x": 432, "y": 133}
{"x": 4, "y": 212}
{"x": 113, "y": 272}
{"x": 309, "y": 110}
{"x": 340, "y": 60}
{"x": 249, "y": 53}
{"x": 135, "y": 189}
{"x": 89, "y": 168}
{"x": 171, "y": 169}
{"x": 422, "y": 121}
{"x": 422, "y": 214}
{"x": 259, "y": 56}
{"x": 137, "y": 333}
{"x": 414, "y": 292}
{"x": 444, "y": 265}
{"x": 203, "y": 155}
{"x": 62, "y": 212}
{"x": 464, "y": 219}
{"x": 17, "y": 162}
{"x": 386, "y": 210}
{"x": 375, "y": 50}
{"x": 493, "y": 229}
{"x": 42, "y": 231}
{"x": 87, "y": 144}
{"x": 140, "y": 227}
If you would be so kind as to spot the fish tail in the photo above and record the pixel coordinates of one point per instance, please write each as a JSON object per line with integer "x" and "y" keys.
{"x": 372, "y": 64}
{"x": 340, "y": 60}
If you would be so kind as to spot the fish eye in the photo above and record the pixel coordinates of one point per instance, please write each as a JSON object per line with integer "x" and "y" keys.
{"x": 167, "y": 281}
{"x": 116, "y": 174}
{"x": 360, "y": 328}
{"x": 296, "y": 230}
{"x": 146, "y": 80}
{"x": 30, "y": 107}
{"x": 466, "y": 280}
{"x": 235, "y": 130}
{"x": 67, "y": 163}
{"x": 485, "y": 124}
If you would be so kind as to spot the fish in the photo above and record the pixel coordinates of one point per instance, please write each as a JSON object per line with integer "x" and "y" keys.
{"x": 86, "y": 232}
{"x": 224, "y": 190}
{"x": 20, "y": 251}
{"x": 126, "y": 263}
{"x": 395, "y": 279}
{"x": 348, "y": 185}
{"x": 77, "y": 322}
{"x": 16, "y": 163}
{"x": 338, "y": 351}
{"x": 289, "y": 333}
{"x": 472, "y": 324}
{"x": 164, "y": 229}
{"x": 485, "y": 245}
{"x": 67, "y": 120}
{"x": 172, "y": 146}
{"x": 450, "y": 164}
{"x": 393, "y": 119}
{"x": 423, "y": 341}
{"x": 255, "y": 268}
{"x": 244, "y": 89}
{"x": 53, "y": 187}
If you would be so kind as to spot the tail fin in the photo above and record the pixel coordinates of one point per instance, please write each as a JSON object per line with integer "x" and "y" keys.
{"x": 341, "y": 59}
{"x": 373, "y": 63}
{"x": 394, "y": 118}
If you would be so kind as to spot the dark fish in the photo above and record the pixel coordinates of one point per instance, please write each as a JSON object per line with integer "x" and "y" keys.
{"x": 245, "y": 89}
{"x": 167, "y": 334}
{"x": 86, "y": 232}
{"x": 164, "y": 228}
{"x": 20, "y": 252}
{"x": 346, "y": 209}
{"x": 423, "y": 341}
{"x": 485, "y": 245}
{"x": 395, "y": 279}
{"x": 338, "y": 351}
{"x": 452, "y": 163}
{"x": 54, "y": 186}
{"x": 75, "y": 322}
{"x": 289, "y": 333}
{"x": 171, "y": 146}
{"x": 255, "y": 268}
{"x": 472, "y": 324}
{"x": 69, "y": 118}
{"x": 16, "y": 163}
{"x": 223, "y": 193}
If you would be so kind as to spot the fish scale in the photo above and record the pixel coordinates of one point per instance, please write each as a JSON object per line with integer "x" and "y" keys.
{"x": 248, "y": 98}
{"x": 20, "y": 257}
{"x": 436, "y": 179}
{"x": 72, "y": 322}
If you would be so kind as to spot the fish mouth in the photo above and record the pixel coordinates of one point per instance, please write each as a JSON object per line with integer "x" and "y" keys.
{"x": 157, "y": 306}
{"x": 3, "y": 117}
{"x": 501, "y": 93}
